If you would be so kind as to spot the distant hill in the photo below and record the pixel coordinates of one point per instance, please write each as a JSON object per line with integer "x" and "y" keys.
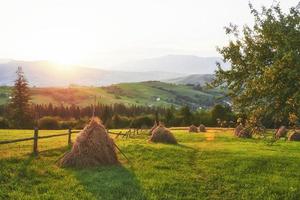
{"x": 44, "y": 73}
{"x": 151, "y": 93}
{"x": 194, "y": 79}
{"x": 183, "y": 64}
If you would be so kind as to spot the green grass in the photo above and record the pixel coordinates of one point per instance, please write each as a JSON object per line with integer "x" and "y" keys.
{"x": 143, "y": 93}
{"x": 214, "y": 165}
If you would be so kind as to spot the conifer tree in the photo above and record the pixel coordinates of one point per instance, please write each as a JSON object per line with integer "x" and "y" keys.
{"x": 19, "y": 104}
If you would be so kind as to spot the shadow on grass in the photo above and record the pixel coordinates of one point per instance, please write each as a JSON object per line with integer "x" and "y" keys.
{"x": 110, "y": 182}
{"x": 107, "y": 182}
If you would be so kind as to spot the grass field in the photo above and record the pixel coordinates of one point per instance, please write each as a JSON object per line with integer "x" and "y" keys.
{"x": 143, "y": 93}
{"x": 214, "y": 165}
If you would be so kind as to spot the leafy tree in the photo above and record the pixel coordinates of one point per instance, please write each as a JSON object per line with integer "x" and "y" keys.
{"x": 19, "y": 105}
{"x": 170, "y": 116}
{"x": 264, "y": 78}
{"x": 187, "y": 116}
{"x": 220, "y": 114}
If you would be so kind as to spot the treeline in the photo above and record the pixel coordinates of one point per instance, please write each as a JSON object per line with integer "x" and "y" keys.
{"x": 120, "y": 116}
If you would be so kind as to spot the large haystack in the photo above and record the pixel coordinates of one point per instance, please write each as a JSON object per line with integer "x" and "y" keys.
{"x": 193, "y": 129}
{"x": 153, "y": 127}
{"x": 281, "y": 132}
{"x": 295, "y": 136}
{"x": 162, "y": 135}
{"x": 93, "y": 147}
{"x": 202, "y": 128}
{"x": 238, "y": 129}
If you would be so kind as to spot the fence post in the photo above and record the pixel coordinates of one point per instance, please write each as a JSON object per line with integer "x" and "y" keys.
{"x": 70, "y": 137}
{"x": 35, "y": 141}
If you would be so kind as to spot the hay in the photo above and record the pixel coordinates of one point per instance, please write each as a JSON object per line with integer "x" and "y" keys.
{"x": 193, "y": 129}
{"x": 295, "y": 136}
{"x": 238, "y": 129}
{"x": 153, "y": 127}
{"x": 242, "y": 132}
{"x": 202, "y": 128}
{"x": 281, "y": 132}
{"x": 93, "y": 147}
{"x": 162, "y": 135}
{"x": 245, "y": 133}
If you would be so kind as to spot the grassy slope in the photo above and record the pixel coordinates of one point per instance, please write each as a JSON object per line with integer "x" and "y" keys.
{"x": 144, "y": 93}
{"x": 203, "y": 166}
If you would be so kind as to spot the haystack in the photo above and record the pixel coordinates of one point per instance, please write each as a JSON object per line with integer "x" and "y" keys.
{"x": 238, "y": 129}
{"x": 93, "y": 147}
{"x": 202, "y": 128}
{"x": 162, "y": 135}
{"x": 281, "y": 132}
{"x": 244, "y": 133}
{"x": 153, "y": 127}
{"x": 295, "y": 136}
{"x": 193, "y": 129}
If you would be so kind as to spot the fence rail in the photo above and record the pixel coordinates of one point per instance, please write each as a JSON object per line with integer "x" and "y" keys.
{"x": 36, "y": 137}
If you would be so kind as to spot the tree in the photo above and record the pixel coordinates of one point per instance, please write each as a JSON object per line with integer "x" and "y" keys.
{"x": 220, "y": 114}
{"x": 264, "y": 78}
{"x": 170, "y": 116}
{"x": 19, "y": 105}
{"x": 187, "y": 116}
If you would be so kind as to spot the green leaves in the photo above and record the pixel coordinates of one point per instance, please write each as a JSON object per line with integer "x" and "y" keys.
{"x": 265, "y": 59}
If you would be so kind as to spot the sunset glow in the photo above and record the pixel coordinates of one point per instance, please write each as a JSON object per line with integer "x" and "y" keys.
{"x": 106, "y": 33}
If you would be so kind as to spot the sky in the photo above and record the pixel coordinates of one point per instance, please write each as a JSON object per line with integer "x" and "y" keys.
{"x": 104, "y": 33}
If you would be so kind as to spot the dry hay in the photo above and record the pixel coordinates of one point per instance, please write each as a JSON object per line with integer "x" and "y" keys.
{"x": 281, "y": 132}
{"x": 193, "y": 129}
{"x": 245, "y": 133}
{"x": 153, "y": 127}
{"x": 93, "y": 147}
{"x": 202, "y": 128}
{"x": 162, "y": 135}
{"x": 238, "y": 129}
{"x": 242, "y": 132}
{"x": 295, "y": 136}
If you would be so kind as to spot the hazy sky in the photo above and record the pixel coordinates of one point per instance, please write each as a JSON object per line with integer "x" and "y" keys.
{"x": 103, "y": 33}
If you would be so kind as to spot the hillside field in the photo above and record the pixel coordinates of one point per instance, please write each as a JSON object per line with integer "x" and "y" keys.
{"x": 151, "y": 93}
{"x": 214, "y": 165}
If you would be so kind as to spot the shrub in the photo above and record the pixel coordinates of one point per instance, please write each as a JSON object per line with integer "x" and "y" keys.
{"x": 4, "y": 123}
{"x": 142, "y": 121}
{"x": 68, "y": 124}
{"x": 48, "y": 123}
{"x": 118, "y": 121}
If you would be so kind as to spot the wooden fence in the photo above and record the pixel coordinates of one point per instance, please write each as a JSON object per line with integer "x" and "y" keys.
{"x": 127, "y": 134}
{"x": 36, "y": 138}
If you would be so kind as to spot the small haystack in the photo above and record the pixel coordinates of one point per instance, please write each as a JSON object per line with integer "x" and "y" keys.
{"x": 153, "y": 127}
{"x": 281, "y": 132}
{"x": 163, "y": 135}
{"x": 193, "y": 129}
{"x": 93, "y": 147}
{"x": 202, "y": 128}
{"x": 295, "y": 136}
{"x": 244, "y": 133}
{"x": 238, "y": 129}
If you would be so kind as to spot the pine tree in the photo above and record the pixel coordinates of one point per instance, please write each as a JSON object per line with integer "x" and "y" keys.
{"x": 19, "y": 102}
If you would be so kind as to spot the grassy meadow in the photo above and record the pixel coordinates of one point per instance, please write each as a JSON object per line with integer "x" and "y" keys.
{"x": 143, "y": 93}
{"x": 214, "y": 165}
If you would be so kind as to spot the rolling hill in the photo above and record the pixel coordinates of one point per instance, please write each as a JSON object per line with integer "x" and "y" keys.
{"x": 183, "y": 64}
{"x": 49, "y": 74}
{"x": 150, "y": 93}
{"x": 194, "y": 79}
